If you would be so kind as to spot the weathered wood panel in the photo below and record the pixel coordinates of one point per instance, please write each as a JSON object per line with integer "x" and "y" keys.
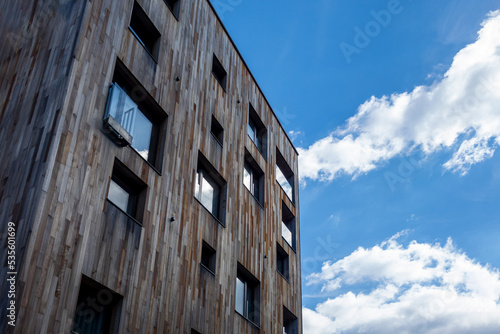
{"x": 35, "y": 60}
{"x": 156, "y": 266}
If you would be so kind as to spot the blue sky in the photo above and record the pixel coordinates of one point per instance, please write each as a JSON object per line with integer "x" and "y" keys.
{"x": 398, "y": 128}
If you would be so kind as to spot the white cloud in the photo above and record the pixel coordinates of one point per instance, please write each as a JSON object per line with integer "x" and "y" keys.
{"x": 315, "y": 322}
{"x": 420, "y": 288}
{"x": 461, "y": 112}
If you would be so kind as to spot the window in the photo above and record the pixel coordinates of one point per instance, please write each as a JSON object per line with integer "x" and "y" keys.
{"x": 287, "y": 225}
{"x": 97, "y": 309}
{"x": 145, "y": 31}
{"x": 253, "y": 178}
{"x": 247, "y": 295}
{"x": 126, "y": 191}
{"x": 290, "y": 325}
{"x": 217, "y": 130}
{"x": 210, "y": 189}
{"x": 282, "y": 262}
{"x": 284, "y": 176}
{"x": 257, "y": 131}
{"x": 219, "y": 72}
{"x": 193, "y": 331}
{"x": 208, "y": 257}
{"x": 174, "y": 6}
{"x": 133, "y": 117}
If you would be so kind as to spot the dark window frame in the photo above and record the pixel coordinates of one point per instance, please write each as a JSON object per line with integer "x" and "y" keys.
{"x": 134, "y": 186}
{"x": 217, "y": 131}
{"x": 288, "y": 219}
{"x": 287, "y": 172}
{"x": 141, "y": 26}
{"x": 282, "y": 262}
{"x": 94, "y": 301}
{"x": 148, "y": 106}
{"x": 208, "y": 257}
{"x": 290, "y": 322}
{"x": 174, "y": 6}
{"x": 259, "y": 130}
{"x": 206, "y": 171}
{"x": 257, "y": 178}
{"x": 219, "y": 72}
{"x": 251, "y": 297}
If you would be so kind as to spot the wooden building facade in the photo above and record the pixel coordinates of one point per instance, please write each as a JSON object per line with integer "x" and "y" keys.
{"x": 152, "y": 187}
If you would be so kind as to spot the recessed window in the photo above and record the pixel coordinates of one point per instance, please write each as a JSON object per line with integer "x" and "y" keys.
{"x": 210, "y": 189}
{"x": 145, "y": 31}
{"x": 121, "y": 198}
{"x": 97, "y": 309}
{"x": 174, "y": 6}
{"x": 217, "y": 130}
{"x": 247, "y": 297}
{"x": 282, "y": 261}
{"x": 208, "y": 257}
{"x": 290, "y": 323}
{"x": 126, "y": 191}
{"x": 284, "y": 176}
{"x": 257, "y": 131}
{"x": 253, "y": 178}
{"x": 287, "y": 225}
{"x": 133, "y": 117}
{"x": 219, "y": 72}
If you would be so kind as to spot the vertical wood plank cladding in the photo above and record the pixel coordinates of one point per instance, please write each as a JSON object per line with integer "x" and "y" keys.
{"x": 35, "y": 59}
{"x": 156, "y": 266}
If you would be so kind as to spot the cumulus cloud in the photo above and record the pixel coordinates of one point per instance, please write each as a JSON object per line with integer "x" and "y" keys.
{"x": 459, "y": 113}
{"x": 418, "y": 288}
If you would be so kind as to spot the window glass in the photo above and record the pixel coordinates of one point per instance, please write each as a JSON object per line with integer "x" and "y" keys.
{"x": 207, "y": 192}
{"x": 250, "y": 304}
{"x": 284, "y": 182}
{"x": 257, "y": 131}
{"x": 288, "y": 225}
{"x": 197, "y": 187}
{"x": 247, "y": 179}
{"x": 286, "y": 233}
{"x": 280, "y": 264}
{"x": 122, "y": 107}
{"x": 118, "y": 196}
{"x": 141, "y": 134}
{"x": 126, "y": 112}
{"x": 253, "y": 178}
{"x": 258, "y": 143}
{"x": 251, "y": 131}
{"x": 210, "y": 189}
{"x": 282, "y": 261}
{"x": 256, "y": 188}
{"x": 247, "y": 296}
{"x": 240, "y": 296}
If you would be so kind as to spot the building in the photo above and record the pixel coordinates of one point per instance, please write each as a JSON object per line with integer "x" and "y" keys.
{"x": 151, "y": 186}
